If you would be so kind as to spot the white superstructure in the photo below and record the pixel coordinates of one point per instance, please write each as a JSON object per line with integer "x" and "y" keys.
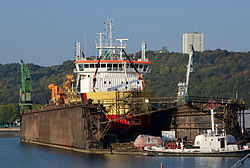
{"x": 195, "y": 39}
{"x": 111, "y": 70}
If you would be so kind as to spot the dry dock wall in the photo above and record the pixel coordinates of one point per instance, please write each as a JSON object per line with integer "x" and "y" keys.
{"x": 188, "y": 121}
{"x": 58, "y": 126}
{"x": 78, "y": 126}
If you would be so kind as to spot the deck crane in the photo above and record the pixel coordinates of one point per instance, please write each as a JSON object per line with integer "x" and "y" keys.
{"x": 94, "y": 77}
{"x": 138, "y": 73}
{"x": 96, "y": 71}
{"x": 25, "y": 100}
{"x": 183, "y": 86}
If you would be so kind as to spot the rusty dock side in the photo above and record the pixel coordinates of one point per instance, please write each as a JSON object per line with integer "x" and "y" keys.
{"x": 193, "y": 117}
{"x": 74, "y": 126}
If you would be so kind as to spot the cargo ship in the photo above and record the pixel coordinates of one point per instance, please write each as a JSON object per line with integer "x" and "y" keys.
{"x": 111, "y": 78}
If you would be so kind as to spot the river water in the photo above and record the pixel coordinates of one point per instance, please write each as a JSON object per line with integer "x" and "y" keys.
{"x": 14, "y": 154}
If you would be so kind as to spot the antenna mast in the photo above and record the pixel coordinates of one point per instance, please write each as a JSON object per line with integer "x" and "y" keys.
{"x": 100, "y": 43}
{"x": 110, "y": 36}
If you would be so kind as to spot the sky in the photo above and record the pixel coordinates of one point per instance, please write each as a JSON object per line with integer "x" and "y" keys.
{"x": 43, "y": 32}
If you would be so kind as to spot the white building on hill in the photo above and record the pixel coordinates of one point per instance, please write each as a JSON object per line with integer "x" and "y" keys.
{"x": 195, "y": 39}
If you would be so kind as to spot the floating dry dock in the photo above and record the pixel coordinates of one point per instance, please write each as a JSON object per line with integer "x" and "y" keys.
{"x": 120, "y": 109}
{"x": 82, "y": 127}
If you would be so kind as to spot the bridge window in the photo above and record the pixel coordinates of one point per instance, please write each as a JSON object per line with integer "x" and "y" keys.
{"x": 136, "y": 65}
{"x": 109, "y": 67}
{"x": 141, "y": 66}
{"x": 80, "y": 67}
{"x": 120, "y": 67}
{"x": 115, "y": 67}
{"x": 103, "y": 65}
{"x": 145, "y": 68}
{"x": 92, "y": 65}
{"x": 86, "y": 65}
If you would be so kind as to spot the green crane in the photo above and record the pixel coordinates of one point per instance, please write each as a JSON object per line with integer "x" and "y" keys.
{"x": 25, "y": 101}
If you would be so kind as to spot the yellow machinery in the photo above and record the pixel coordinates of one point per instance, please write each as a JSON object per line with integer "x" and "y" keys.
{"x": 57, "y": 94}
{"x": 64, "y": 95}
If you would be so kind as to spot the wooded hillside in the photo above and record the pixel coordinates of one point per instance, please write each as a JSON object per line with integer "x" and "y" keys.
{"x": 217, "y": 73}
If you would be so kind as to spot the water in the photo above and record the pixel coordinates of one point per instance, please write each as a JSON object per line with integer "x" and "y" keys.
{"x": 14, "y": 154}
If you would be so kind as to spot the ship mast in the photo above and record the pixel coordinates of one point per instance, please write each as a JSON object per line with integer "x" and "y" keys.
{"x": 122, "y": 46}
{"x": 212, "y": 112}
{"x": 105, "y": 42}
{"x": 100, "y": 43}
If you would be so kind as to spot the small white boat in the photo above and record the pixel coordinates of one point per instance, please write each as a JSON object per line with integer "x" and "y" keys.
{"x": 206, "y": 144}
{"x": 210, "y": 143}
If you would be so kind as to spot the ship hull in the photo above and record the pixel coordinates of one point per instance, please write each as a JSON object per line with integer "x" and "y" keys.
{"x": 150, "y": 124}
{"x": 239, "y": 153}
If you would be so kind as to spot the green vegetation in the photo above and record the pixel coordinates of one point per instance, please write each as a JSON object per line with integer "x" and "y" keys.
{"x": 41, "y": 77}
{"x": 218, "y": 73}
{"x": 8, "y": 113}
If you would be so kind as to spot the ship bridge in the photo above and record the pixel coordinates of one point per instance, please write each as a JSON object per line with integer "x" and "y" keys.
{"x": 112, "y": 75}
{"x": 112, "y": 69}
{"x": 89, "y": 66}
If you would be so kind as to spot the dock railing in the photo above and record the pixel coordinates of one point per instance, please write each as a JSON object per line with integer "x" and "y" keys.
{"x": 241, "y": 161}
